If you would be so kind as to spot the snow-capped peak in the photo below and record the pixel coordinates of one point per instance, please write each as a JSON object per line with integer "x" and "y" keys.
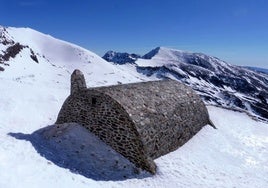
{"x": 168, "y": 55}
{"x": 164, "y": 53}
{"x": 24, "y": 52}
{"x": 55, "y": 49}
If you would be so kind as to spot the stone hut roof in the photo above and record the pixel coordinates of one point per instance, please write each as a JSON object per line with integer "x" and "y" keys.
{"x": 142, "y": 121}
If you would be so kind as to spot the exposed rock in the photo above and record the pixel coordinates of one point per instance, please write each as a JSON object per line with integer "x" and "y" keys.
{"x": 11, "y": 51}
{"x": 33, "y": 56}
{"x": 120, "y": 58}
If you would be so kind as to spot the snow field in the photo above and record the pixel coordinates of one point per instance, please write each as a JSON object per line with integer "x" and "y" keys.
{"x": 233, "y": 155}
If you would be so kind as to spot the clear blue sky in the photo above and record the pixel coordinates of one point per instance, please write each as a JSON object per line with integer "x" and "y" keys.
{"x": 233, "y": 30}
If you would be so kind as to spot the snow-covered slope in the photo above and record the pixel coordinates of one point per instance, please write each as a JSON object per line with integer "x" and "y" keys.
{"x": 28, "y": 56}
{"x": 216, "y": 81}
{"x": 233, "y": 155}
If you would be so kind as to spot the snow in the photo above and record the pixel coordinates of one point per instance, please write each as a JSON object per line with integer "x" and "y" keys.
{"x": 58, "y": 59}
{"x": 233, "y": 155}
{"x": 67, "y": 144}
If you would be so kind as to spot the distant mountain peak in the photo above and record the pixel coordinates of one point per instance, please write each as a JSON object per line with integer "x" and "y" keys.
{"x": 152, "y": 53}
{"x": 165, "y": 53}
{"x": 218, "y": 82}
{"x": 120, "y": 57}
{"x": 258, "y": 69}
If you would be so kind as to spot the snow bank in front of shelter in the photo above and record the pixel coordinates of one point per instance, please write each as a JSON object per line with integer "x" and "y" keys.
{"x": 233, "y": 155}
{"x": 73, "y": 147}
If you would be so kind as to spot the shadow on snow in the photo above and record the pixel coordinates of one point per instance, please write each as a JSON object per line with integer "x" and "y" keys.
{"x": 73, "y": 147}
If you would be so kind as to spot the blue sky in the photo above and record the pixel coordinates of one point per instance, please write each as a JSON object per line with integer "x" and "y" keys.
{"x": 233, "y": 30}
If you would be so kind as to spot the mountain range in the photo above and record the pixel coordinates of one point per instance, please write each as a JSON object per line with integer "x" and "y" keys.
{"x": 217, "y": 82}
{"x": 258, "y": 69}
{"x": 30, "y": 56}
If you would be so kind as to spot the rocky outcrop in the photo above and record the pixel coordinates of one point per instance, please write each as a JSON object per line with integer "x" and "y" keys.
{"x": 11, "y": 49}
{"x": 120, "y": 58}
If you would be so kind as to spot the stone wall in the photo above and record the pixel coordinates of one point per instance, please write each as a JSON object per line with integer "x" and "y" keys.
{"x": 106, "y": 118}
{"x": 165, "y": 113}
{"x": 141, "y": 121}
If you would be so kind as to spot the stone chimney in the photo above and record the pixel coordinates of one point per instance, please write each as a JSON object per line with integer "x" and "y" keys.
{"x": 77, "y": 81}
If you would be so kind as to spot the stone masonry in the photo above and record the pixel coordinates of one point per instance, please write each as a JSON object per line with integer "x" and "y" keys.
{"x": 141, "y": 121}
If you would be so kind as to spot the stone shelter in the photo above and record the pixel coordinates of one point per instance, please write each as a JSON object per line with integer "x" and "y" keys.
{"x": 141, "y": 121}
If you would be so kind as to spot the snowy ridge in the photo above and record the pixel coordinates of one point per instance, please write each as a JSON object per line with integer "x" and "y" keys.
{"x": 257, "y": 69}
{"x": 56, "y": 59}
{"x": 218, "y": 82}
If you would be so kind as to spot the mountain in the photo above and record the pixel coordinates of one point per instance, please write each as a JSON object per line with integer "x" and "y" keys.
{"x": 31, "y": 57}
{"x": 120, "y": 58}
{"x": 258, "y": 69}
{"x": 26, "y": 54}
{"x": 216, "y": 81}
